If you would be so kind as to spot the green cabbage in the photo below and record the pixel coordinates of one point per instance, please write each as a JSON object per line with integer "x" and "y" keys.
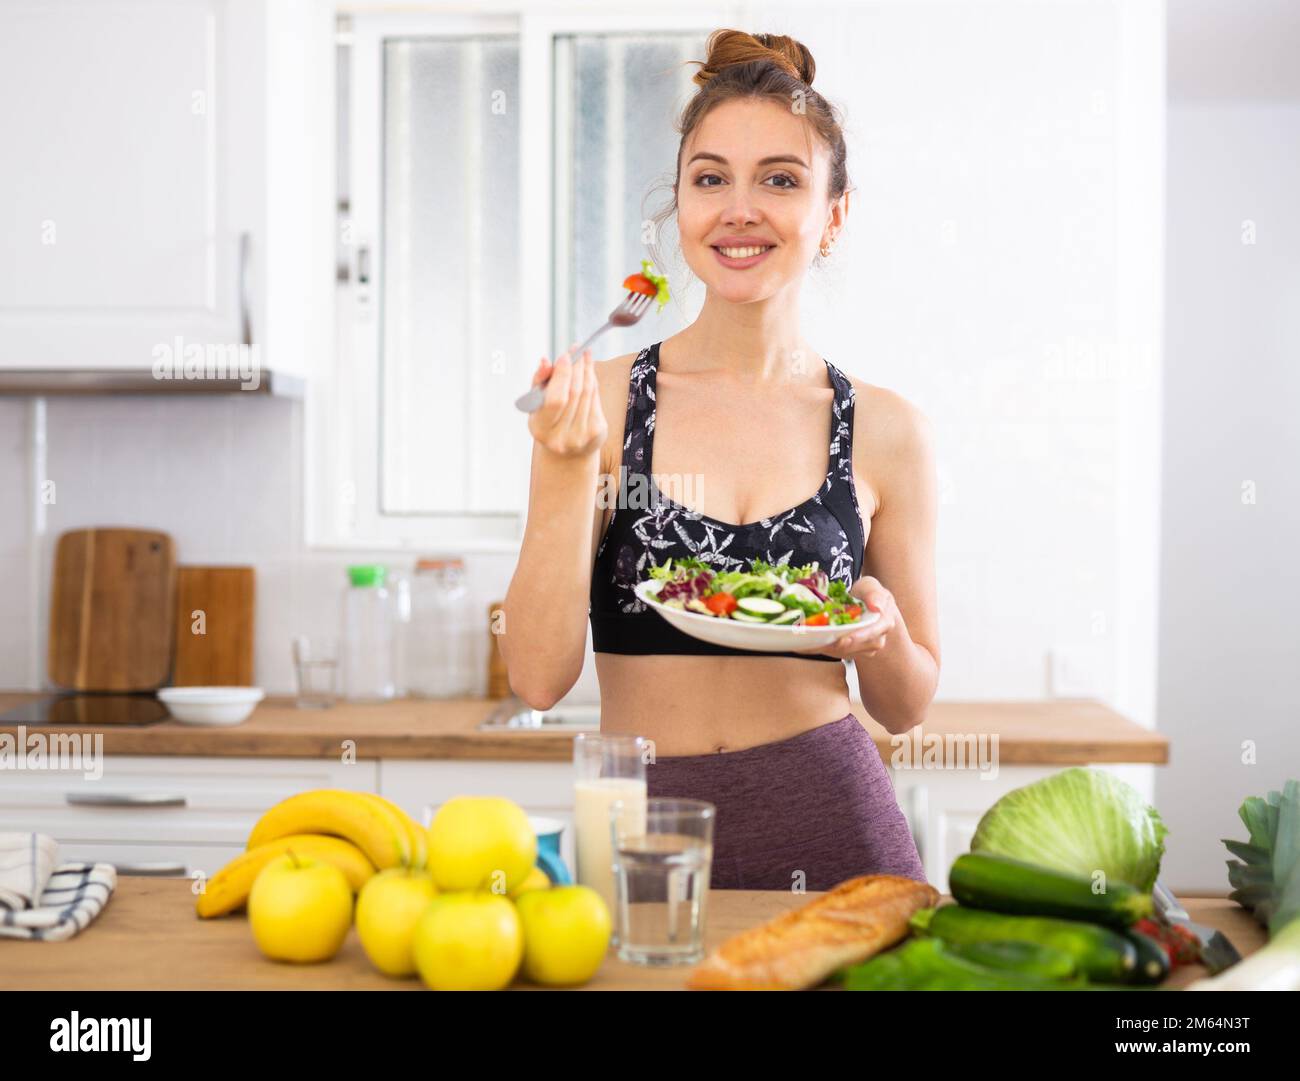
{"x": 1080, "y": 820}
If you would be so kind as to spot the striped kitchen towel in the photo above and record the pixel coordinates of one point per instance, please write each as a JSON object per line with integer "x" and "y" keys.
{"x": 43, "y": 900}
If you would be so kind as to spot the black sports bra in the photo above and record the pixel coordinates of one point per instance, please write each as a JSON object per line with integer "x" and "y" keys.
{"x": 646, "y": 524}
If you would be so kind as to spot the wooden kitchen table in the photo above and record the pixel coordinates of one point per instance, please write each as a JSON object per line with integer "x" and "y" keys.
{"x": 148, "y": 937}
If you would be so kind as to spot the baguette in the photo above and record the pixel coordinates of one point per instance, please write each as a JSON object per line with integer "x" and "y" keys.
{"x": 799, "y": 949}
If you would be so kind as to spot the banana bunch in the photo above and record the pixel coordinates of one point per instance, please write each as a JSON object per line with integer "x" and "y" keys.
{"x": 359, "y": 832}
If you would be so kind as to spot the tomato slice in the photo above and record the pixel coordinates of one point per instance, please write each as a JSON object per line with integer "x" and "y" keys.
{"x": 720, "y": 603}
{"x": 853, "y": 611}
{"x": 819, "y": 620}
{"x": 639, "y": 283}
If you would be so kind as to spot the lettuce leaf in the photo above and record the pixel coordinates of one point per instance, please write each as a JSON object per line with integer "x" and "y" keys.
{"x": 660, "y": 282}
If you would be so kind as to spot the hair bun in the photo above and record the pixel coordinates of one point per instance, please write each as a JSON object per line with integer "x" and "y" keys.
{"x": 726, "y": 48}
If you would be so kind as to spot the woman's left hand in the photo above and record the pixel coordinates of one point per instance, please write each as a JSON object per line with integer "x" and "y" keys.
{"x": 870, "y": 640}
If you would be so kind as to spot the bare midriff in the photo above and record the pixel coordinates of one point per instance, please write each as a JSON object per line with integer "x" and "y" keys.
{"x": 703, "y": 705}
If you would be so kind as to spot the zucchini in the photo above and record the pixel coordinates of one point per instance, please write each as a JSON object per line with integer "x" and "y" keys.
{"x": 1003, "y": 884}
{"x": 760, "y": 606}
{"x": 930, "y": 965}
{"x": 1024, "y": 958}
{"x": 1098, "y": 952}
{"x": 1152, "y": 960}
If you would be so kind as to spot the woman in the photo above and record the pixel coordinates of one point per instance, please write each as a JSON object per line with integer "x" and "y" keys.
{"x": 739, "y": 403}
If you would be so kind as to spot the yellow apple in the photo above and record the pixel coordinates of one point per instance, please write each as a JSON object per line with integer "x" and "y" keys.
{"x": 469, "y": 941}
{"x": 388, "y": 908}
{"x": 566, "y": 934}
{"x": 481, "y": 843}
{"x": 300, "y": 909}
{"x": 537, "y": 880}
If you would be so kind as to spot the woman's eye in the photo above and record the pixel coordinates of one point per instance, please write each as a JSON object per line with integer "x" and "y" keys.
{"x": 793, "y": 183}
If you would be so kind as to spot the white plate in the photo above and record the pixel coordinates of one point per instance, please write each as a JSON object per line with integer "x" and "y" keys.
{"x": 210, "y": 705}
{"x": 737, "y": 634}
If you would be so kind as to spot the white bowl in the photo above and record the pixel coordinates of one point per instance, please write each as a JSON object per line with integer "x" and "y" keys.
{"x": 736, "y": 634}
{"x": 210, "y": 705}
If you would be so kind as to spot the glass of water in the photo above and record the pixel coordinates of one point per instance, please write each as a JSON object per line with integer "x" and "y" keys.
{"x": 661, "y": 876}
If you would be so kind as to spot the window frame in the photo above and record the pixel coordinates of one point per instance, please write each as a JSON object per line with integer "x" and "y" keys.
{"x": 342, "y": 453}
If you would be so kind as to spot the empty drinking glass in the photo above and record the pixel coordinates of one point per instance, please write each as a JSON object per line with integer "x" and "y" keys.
{"x": 316, "y": 666}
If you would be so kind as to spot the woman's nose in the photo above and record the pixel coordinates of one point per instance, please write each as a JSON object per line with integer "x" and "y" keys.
{"x": 740, "y": 210}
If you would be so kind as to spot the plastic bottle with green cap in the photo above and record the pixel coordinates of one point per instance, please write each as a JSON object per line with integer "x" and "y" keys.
{"x": 367, "y": 574}
{"x": 367, "y": 653}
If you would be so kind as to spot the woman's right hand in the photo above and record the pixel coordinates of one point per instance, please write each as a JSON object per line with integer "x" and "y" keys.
{"x": 570, "y": 422}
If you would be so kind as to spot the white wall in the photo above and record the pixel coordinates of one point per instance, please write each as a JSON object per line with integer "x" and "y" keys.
{"x": 1230, "y": 590}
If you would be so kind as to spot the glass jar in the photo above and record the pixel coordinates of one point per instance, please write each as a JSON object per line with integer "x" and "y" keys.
{"x": 367, "y": 654}
{"x": 441, "y": 633}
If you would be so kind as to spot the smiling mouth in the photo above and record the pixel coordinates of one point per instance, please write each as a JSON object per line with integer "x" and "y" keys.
{"x": 745, "y": 252}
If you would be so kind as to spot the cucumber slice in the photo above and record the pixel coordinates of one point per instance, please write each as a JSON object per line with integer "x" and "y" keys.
{"x": 744, "y": 617}
{"x": 760, "y": 606}
{"x": 790, "y": 615}
{"x": 796, "y": 592}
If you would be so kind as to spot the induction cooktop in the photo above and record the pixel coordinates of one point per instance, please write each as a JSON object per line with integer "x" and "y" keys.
{"x": 91, "y": 709}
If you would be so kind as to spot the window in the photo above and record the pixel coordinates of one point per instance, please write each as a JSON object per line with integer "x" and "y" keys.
{"x": 496, "y": 177}
{"x": 616, "y": 101}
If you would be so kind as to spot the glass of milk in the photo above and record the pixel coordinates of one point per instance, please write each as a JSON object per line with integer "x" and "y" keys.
{"x": 609, "y": 797}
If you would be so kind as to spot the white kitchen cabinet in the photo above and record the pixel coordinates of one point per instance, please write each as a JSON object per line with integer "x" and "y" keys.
{"x": 943, "y": 808}
{"x": 164, "y": 860}
{"x": 141, "y": 213}
{"x": 194, "y": 812}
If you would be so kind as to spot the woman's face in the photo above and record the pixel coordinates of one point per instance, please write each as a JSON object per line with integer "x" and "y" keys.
{"x": 748, "y": 181}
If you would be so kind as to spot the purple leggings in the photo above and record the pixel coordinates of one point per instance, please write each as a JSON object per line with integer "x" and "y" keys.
{"x": 820, "y": 803}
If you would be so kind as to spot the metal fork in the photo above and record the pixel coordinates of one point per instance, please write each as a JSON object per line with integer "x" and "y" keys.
{"x": 634, "y": 306}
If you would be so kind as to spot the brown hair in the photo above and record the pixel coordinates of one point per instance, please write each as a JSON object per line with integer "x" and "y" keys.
{"x": 772, "y": 66}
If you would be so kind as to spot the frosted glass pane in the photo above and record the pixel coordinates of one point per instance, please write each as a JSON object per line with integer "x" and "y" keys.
{"x": 449, "y": 278}
{"x": 620, "y": 102}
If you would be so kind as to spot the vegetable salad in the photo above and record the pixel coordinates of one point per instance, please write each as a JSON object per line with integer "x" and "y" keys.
{"x": 776, "y": 594}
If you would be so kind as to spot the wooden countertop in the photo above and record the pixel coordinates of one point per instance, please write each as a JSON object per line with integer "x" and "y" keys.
{"x": 1062, "y": 732}
{"x": 149, "y": 937}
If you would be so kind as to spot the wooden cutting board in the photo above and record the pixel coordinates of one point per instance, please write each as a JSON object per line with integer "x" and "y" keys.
{"x": 112, "y": 610}
{"x": 214, "y": 627}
